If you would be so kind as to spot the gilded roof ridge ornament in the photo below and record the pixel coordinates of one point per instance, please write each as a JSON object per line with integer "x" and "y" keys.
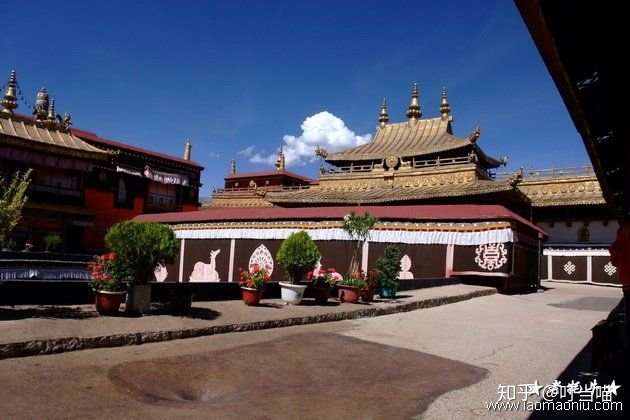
{"x": 9, "y": 101}
{"x": 280, "y": 160}
{"x": 40, "y": 109}
{"x": 445, "y": 107}
{"x": 383, "y": 115}
{"x": 474, "y": 136}
{"x": 321, "y": 152}
{"x": 187, "y": 149}
{"x": 51, "y": 117}
{"x": 413, "y": 111}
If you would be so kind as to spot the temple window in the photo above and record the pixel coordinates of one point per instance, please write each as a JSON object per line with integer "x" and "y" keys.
{"x": 583, "y": 234}
{"x": 162, "y": 196}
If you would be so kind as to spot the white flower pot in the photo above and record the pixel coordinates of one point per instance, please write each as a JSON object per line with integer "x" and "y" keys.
{"x": 292, "y": 293}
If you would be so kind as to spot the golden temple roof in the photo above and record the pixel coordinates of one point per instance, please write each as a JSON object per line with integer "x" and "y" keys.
{"x": 563, "y": 187}
{"x": 17, "y": 131}
{"x": 384, "y": 195}
{"x": 406, "y": 139}
{"x": 412, "y": 138}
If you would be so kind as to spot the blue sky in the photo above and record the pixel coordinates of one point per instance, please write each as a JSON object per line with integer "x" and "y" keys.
{"x": 236, "y": 74}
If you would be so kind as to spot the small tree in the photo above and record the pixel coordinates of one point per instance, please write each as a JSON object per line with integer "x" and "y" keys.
{"x": 138, "y": 248}
{"x": 12, "y": 199}
{"x": 358, "y": 228}
{"x": 388, "y": 267}
{"x": 298, "y": 254}
{"x": 52, "y": 242}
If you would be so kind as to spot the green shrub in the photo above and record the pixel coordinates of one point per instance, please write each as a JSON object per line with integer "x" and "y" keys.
{"x": 358, "y": 228}
{"x": 139, "y": 247}
{"x": 298, "y": 254}
{"x": 52, "y": 242}
{"x": 388, "y": 267}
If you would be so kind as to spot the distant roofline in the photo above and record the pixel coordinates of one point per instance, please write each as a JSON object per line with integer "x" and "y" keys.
{"x": 269, "y": 173}
{"x": 418, "y": 212}
{"x": 91, "y": 136}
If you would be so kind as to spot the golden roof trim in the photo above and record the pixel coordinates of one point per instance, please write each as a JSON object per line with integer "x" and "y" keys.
{"x": 43, "y": 137}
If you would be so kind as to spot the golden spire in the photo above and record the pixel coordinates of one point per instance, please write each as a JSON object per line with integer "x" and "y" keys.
{"x": 9, "y": 102}
{"x": 51, "y": 118}
{"x": 40, "y": 110}
{"x": 445, "y": 107}
{"x": 233, "y": 167}
{"x": 414, "y": 112}
{"x": 280, "y": 161}
{"x": 187, "y": 150}
{"x": 383, "y": 115}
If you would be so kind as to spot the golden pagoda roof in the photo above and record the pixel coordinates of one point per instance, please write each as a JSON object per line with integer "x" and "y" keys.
{"x": 412, "y": 138}
{"x": 17, "y": 131}
{"x": 384, "y": 194}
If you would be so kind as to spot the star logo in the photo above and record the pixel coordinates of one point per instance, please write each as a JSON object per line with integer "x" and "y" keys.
{"x": 535, "y": 387}
{"x": 613, "y": 387}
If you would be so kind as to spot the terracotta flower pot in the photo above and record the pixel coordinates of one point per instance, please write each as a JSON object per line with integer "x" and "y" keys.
{"x": 367, "y": 294}
{"x": 321, "y": 294}
{"x": 251, "y": 296}
{"x": 348, "y": 293}
{"x": 108, "y": 303}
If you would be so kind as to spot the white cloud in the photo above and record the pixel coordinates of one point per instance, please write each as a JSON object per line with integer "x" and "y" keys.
{"x": 248, "y": 151}
{"x": 214, "y": 155}
{"x": 322, "y": 129}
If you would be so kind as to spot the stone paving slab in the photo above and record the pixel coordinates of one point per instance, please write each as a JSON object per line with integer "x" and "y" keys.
{"x": 33, "y": 330}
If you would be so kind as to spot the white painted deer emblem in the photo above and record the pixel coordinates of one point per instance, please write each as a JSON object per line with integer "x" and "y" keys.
{"x": 206, "y": 272}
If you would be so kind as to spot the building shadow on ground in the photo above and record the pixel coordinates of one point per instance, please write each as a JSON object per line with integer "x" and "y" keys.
{"x": 193, "y": 313}
{"x": 52, "y": 312}
{"x": 602, "y": 359}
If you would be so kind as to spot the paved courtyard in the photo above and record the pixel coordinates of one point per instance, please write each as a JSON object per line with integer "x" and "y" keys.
{"x": 437, "y": 363}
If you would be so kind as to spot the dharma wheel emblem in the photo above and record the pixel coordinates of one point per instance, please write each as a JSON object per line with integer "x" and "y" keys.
{"x": 491, "y": 256}
{"x": 391, "y": 161}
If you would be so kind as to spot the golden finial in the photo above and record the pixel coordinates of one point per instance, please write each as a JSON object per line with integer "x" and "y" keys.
{"x": 280, "y": 161}
{"x": 40, "y": 110}
{"x": 233, "y": 167}
{"x": 9, "y": 102}
{"x": 383, "y": 115}
{"x": 474, "y": 136}
{"x": 187, "y": 150}
{"x": 414, "y": 112}
{"x": 51, "y": 118}
{"x": 445, "y": 107}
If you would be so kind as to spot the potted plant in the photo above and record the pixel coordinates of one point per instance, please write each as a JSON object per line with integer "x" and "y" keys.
{"x": 139, "y": 248}
{"x": 358, "y": 229}
{"x": 349, "y": 289}
{"x": 298, "y": 254}
{"x": 52, "y": 242}
{"x": 322, "y": 282}
{"x": 252, "y": 283}
{"x": 108, "y": 289}
{"x": 388, "y": 267}
{"x": 371, "y": 284}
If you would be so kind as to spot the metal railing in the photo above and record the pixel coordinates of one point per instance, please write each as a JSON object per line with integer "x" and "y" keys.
{"x": 262, "y": 188}
{"x": 586, "y": 170}
{"x": 413, "y": 163}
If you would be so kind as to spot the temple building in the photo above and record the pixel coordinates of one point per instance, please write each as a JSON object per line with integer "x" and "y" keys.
{"x": 415, "y": 161}
{"x": 434, "y": 193}
{"x": 422, "y": 161}
{"x": 83, "y": 183}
